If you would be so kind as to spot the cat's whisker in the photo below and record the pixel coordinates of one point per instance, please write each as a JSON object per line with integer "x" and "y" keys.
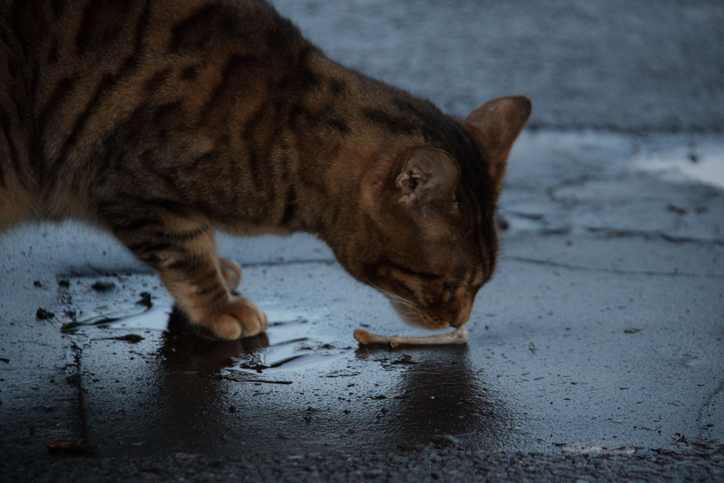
{"x": 409, "y": 315}
{"x": 399, "y": 299}
{"x": 393, "y": 296}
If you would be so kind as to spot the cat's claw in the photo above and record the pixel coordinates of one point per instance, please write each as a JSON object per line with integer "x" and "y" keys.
{"x": 241, "y": 318}
{"x": 231, "y": 272}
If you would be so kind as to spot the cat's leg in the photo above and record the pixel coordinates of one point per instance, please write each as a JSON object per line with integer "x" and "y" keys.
{"x": 201, "y": 284}
{"x": 184, "y": 254}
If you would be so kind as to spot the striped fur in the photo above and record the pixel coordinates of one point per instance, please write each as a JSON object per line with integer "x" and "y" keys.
{"x": 163, "y": 120}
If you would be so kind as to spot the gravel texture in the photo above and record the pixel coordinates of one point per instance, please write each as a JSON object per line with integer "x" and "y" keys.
{"x": 428, "y": 464}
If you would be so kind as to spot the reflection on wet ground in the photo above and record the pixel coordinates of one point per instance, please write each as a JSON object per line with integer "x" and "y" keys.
{"x": 440, "y": 398}
{"x": 705, "y": 164}
{"x": 291, "y": 347}
{"x": 285, "y": 346}
{"x": 297, "y": 384}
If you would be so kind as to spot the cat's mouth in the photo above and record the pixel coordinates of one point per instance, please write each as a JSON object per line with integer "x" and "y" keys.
{"x": 426, "y": 319}
{"x": 455, "y": 313}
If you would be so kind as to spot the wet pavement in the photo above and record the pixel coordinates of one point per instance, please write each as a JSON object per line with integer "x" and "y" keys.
{"x": 596, "y": 351}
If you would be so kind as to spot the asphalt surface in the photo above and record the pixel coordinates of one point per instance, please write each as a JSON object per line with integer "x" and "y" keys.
{"x": 607, "y": 64}
{"x": 595, "y": 353}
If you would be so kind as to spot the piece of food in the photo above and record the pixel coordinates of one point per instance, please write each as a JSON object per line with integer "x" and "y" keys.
{"x": 457, "y": 336}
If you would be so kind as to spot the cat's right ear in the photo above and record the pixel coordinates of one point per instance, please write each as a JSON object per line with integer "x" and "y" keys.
{"x": 495, "y": 126}
{"x": 429, "y": 175}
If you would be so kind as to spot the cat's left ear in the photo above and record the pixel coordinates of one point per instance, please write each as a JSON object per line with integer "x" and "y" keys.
{"x": 495, "y": 126}
{"x": 429, "y": 175}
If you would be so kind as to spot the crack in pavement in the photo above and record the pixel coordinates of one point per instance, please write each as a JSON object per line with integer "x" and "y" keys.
{"x": 76, "y": 380}
{"x": 310, "y": 261}
{"x": 707, "y": 403}
{"x": 102, "y": 272}
{"x": 569, "y": 266}
{"x": 650, "y": 235}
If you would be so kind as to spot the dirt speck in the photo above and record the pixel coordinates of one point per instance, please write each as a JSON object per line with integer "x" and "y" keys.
{"x": 101, "y": 286}
{"x": 405, "y": 359}
{"x": 444, "y": 441}
{"x": 132, "y": 338}
{"x": 145, "y": 300}
{"x": 678, "y": 210}
{"x": 43, "y": 314}
{"x": 308, "y": 414}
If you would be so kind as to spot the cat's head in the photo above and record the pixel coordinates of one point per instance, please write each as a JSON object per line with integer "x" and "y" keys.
{"x": 427, "y": 237}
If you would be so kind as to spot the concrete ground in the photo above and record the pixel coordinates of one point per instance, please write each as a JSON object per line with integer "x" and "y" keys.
{"x": 595, "y": 353}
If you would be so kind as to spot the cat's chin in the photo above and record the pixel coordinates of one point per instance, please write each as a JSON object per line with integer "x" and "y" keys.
{"x": 415, "y": 317}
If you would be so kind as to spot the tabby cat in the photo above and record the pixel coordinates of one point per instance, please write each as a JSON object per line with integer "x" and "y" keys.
{"x": 163, "y": 120}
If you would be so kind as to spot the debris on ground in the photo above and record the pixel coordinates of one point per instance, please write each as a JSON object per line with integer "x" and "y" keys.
{"x": 43, "y": 314}
{"x": 70, "y": 448}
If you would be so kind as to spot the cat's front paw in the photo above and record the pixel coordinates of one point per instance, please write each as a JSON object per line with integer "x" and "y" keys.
{"x": 240, "y": 318}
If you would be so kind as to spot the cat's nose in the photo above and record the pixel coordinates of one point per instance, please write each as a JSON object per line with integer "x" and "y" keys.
{"x": 462, "y": 316}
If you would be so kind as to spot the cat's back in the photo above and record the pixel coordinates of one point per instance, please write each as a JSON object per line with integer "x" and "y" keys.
{"x": 60, "y": 57}
{"x": 72, "y": 70}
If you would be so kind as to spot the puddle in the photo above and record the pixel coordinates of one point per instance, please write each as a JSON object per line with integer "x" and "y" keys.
{"x": 155, "y": 318}
{"x": 292, "y": 345}
{"x": 392, "y": 396}
{"x": 524, "y": 222}
{"x": 100, "y": 306}
{"x": 129, "y": 302}
{"x": 705, "y": 165}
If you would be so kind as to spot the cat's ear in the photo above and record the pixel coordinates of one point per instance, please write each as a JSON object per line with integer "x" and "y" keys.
{"x": 428, "y": 176}
{"x": 495, "y": 126}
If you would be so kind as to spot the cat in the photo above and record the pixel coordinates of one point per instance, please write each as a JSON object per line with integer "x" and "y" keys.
{"x": 164, "y": 120}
